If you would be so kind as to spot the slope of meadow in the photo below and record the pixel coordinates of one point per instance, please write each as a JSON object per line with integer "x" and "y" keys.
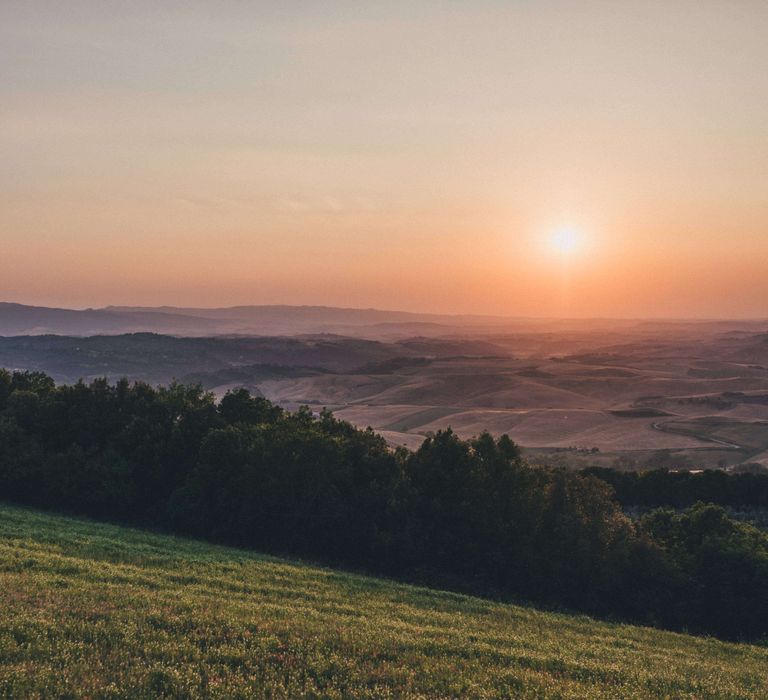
{"x": 93, "y": 610}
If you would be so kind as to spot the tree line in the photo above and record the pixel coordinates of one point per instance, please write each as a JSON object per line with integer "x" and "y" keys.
{"x": 470, "y": 515}
{"x": 680, "y": 489}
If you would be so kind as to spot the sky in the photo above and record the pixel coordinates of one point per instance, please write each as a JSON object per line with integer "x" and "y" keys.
{"x": 426, "y": 156}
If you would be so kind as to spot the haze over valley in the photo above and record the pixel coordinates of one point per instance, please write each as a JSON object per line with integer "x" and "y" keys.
{"x": 664, "y": 393}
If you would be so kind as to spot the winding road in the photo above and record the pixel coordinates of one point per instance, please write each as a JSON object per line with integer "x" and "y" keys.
{"x": 704, "y": 438}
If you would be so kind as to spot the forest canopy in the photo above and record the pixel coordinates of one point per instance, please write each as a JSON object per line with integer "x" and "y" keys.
{"x": 470, "y": 515}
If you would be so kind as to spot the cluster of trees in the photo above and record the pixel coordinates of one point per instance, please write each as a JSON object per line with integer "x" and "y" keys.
{"x": 680, "y": 489}
{"x": 469, "y": 515}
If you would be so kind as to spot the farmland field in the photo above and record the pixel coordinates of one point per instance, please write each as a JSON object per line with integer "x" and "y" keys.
{"x": 603, "y": 393}
{"x": 94, "y": 610}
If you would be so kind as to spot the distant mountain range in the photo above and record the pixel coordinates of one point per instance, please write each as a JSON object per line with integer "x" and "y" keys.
{"x": 20, "y": 319}
{"x": 278, "y": 320}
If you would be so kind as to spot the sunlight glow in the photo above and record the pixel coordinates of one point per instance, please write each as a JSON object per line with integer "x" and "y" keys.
{"x": 565, "y": 240}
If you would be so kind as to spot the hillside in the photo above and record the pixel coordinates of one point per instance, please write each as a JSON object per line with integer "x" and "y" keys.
{"x": 101, "y": 611}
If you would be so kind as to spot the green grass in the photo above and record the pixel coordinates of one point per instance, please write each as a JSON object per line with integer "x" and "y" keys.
{"x": 94, "y": 610}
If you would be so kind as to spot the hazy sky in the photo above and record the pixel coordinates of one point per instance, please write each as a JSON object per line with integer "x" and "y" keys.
{"x": 414, "y": 155}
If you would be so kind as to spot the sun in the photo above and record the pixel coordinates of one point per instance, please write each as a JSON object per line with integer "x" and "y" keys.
{"x": 565, "y": 240}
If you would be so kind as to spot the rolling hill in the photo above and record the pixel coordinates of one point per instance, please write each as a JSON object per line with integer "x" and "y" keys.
{"x": 94, "y": 610}
{"x": 627, "y": 389}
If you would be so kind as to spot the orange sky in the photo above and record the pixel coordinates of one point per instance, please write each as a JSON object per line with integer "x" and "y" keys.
{"x": 398, "y": 155}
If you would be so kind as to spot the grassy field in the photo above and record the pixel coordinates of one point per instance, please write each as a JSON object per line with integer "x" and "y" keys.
{"x": 92, "y": 610}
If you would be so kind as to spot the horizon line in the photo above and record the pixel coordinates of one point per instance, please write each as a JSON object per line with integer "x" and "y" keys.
{"x": 129, "y": 308}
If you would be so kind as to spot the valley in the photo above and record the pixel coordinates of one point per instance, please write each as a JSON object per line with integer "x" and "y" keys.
{"x": 677, "y": 394}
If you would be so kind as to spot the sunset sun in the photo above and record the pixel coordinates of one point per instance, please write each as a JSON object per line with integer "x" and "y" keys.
{"x": 565, "y": 240}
